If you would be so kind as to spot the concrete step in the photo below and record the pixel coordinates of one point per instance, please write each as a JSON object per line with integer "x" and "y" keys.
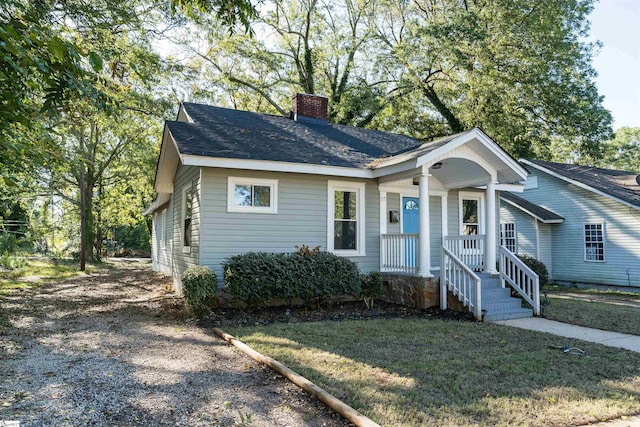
{"x": 506, "y": 314}
{"x": 491, "y": 283}
{"x": 501, "y": 304}
{"x": 495, "y": 293}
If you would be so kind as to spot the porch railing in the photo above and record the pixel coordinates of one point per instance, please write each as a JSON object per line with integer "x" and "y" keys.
{"x": 469, "y": 249}
{"x": 520, "y": 277}
{"x": 461, "y": 281}
{"x": 399, "y": 252}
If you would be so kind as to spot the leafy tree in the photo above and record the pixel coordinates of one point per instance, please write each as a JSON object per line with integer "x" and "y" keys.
{"x": 623, "y": 151}
{"x": 519, "y": 70}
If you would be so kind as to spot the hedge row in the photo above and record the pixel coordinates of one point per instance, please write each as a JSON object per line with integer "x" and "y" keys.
{"x": 310, "y": 275}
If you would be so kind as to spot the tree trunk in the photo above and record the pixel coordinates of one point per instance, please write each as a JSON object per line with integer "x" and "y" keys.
{"x": 437, "y": 103}
{"x": 83, "y": 216}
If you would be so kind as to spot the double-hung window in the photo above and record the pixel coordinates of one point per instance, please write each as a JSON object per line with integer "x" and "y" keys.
{"x": 187, "y": 214}
{"x": 252, "y": 195}
{"x": 508, "y": 236}
{"x": 594, "y": 238}
{"x": 346, "y": 216}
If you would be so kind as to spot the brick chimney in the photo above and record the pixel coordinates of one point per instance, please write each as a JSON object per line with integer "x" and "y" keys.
{"x": 308, "y": 108}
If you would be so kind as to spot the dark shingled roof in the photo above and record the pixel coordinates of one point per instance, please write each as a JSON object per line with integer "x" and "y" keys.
{"x": 619, "y": 184}
{"x": 234, "y": 134}
{"x": 543, "y": 214}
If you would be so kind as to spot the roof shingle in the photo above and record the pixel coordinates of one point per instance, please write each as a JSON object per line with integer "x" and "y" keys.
{"x": 227, "y": 133}
{"x": 622, "y": 185}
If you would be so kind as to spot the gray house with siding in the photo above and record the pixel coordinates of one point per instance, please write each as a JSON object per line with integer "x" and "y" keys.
{"x": 425, "y": 214}
{"x": 582, "y": 222}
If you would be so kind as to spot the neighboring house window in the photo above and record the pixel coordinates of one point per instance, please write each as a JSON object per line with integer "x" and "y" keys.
{"x": 187, "y": 214}
{"x": 346, "y": 216}
{"x": 594, "y": 242}
{"x": 508, "y": 236}
{"x": 163, "y": 226}
{"x": 252, "y": 195}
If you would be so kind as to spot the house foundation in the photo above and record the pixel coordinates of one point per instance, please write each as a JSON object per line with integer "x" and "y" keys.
{"x": 412, "y": 291}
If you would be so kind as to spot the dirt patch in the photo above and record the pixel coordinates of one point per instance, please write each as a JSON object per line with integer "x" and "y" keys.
{"x": 351, "y": 310}
{"x": 114, "y": 348}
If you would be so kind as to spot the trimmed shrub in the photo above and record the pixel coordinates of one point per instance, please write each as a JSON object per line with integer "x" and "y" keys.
{"x": 371, "y": 288}
{"x": 538, "y": 267}
{"x": 311, "y": 275}
{"x": 199, "y": 286}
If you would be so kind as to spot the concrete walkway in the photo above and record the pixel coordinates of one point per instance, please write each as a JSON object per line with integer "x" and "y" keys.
{"x": 611, "y": 339}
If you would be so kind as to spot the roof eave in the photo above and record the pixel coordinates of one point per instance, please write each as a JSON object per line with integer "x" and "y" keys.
{"x": 275, "y": 166}
{"x": 579, "y": 184}
{"x": 528, "y": 212}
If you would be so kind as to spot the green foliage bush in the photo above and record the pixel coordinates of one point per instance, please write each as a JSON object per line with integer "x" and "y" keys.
{"x": 309, "y": 274}
{"x": 8, "y": 242}
{"x": 11, "y": 262}
{"x": 371, "y": 287}
{"x": 199, "y": 286}
{"x": 538, "y": 267}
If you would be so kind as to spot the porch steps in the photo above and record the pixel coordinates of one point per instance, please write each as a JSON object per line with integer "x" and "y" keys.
{"x": 498, "y": 302}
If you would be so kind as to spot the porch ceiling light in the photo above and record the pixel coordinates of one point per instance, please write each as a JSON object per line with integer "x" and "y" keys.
{"x": 436, "y": 166}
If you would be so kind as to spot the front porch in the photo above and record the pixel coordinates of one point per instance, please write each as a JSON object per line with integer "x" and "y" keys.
{"x": 439, "y": 219}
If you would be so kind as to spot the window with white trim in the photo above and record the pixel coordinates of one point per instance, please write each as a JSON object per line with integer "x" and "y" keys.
{"x": 163, "y": 227}
{"x": 252, "y": 195}
{"x": 594, "y": 242}
{"x": 346, "y": 216}
{"x": 187, "y": 216}
{"x": 508, "y": 236}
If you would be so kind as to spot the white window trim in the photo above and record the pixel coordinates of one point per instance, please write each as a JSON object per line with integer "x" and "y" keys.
{"x": 163, "y": 227}
{"x": 185, "y": 190}
{"x": 515, "y": 235}
{"x": 469, "y": 195}
{"x": 231, "y": 188}
{"x": 604, "y": 242}
{"x": 359, "y": 188}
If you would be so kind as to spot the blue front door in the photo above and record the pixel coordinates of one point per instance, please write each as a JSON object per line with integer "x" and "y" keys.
{"x": 410, "y": 225}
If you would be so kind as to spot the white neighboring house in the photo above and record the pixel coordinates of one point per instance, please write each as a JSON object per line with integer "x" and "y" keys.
{"x": 582, "y": 222}
{"x": 231, "y": 182}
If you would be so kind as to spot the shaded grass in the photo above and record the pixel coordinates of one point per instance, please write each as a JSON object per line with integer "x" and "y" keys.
{"x": 35, "y": 273}
{"x": 608, "y": 314}
{"x": 595, "y": 292}
{"x": 407, "y": 372}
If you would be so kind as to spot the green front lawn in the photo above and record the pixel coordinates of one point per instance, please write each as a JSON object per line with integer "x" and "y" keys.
{"x": 609, "y": 311}
{"x": 408, "y": 372}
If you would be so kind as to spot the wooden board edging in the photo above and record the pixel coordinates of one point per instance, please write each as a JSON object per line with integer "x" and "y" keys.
{"x": 332, "y": 402}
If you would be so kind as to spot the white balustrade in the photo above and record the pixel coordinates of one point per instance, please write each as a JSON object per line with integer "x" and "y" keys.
{"x": 459, "y": 279}
{"x": 520, "y": 277}
{"x": 468, "y": 249}
{"x": 399, "y": 252}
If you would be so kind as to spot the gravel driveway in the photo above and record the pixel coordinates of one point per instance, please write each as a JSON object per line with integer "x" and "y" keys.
{"x": 112, "y": 348}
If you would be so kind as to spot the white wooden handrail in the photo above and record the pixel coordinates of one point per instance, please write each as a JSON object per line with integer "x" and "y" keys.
{"x": 399, "y": 252}
{"x": 520, "y": 277}
{"x": 469, "y": 249}
{"x": 461, "y": 281}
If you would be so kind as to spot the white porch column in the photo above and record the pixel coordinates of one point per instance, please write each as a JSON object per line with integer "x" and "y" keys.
{"x": 445, "y": 215}
{"x": 383, "y": 212}
{"x": 424, "y": 239}
{"x": 490, "y": 244}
